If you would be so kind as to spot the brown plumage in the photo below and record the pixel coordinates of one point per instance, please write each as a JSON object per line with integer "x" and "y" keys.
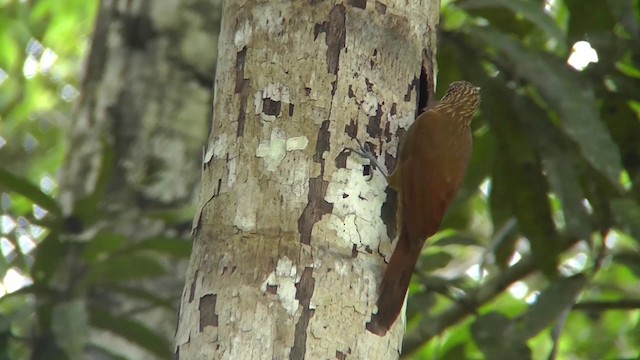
{"x": 432, "y": 163}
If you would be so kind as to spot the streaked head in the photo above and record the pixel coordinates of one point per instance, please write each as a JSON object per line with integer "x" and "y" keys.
{"x": 463, "y": 97}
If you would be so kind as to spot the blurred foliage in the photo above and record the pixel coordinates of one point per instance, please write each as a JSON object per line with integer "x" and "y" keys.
{"x": 49, "y": 300}
{"x": 555, "y": 226}
{"x": 557, "y": 156}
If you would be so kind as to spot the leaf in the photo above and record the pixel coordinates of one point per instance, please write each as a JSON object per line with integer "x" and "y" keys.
{"x": 141, "y": 294}
{"x": 530, "y": 10}
{"x": 557, "y": 161}
{"x": 498, "y": 338}
{"x": 48, "y": 255}
{"x": 70, "y": 328}
{"x": 626, "y": 213}
{"x": 458, "y": 239}
{"x": 550, "y": 305}
{"x": 103, "y": 243}
{"x": 625, "y": 12}
{"x": 172, "y": 246}
{"x": 567, "y": 94}
{"x": 123, "y": 268}
{"x": 434, "y": 261}
{"x": 25, "y": 188}
{"x": 132, "y": 331}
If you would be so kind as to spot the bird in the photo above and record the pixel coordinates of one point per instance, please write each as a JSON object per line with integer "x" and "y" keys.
{"x": 432, "y": 162}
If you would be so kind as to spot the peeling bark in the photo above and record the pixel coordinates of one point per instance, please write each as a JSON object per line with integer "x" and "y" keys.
{"x": 281, "y": 202}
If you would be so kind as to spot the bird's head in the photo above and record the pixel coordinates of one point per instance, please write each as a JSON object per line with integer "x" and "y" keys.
{"x": 463, "y": 97}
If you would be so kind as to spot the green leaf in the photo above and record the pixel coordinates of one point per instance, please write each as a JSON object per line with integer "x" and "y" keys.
{"x": 123, "y": 268}
{"x": 70, "y": 328}
{"x": 558, "y": 164}
{"x": 567, "y": 94}
{"x": 530, "y": 10}
{"x": 626, "y": 213}
{"x": 458, "y": 239}
{"x": 49, "y": 253}
{"x": 498, "y": 338}
{"x": 434, "y": 261}
{"x": 551, "y": 303}
{"x": 132, "y": 331}
{"x": 24, "y": 187}
{"x": 141, "y": 294}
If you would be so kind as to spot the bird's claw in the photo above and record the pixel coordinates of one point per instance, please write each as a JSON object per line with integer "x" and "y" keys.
{"x": 365, "y": 151}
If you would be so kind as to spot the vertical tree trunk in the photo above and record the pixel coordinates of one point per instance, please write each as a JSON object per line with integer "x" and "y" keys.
{"x": 142, "y": 114}
{"x": 290, "y": 237}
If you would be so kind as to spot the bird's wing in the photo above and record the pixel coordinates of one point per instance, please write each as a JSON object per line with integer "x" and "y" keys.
{"x": 425, "y": 195}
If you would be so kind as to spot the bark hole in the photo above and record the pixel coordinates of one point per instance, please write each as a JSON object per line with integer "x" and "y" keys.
{"x": 426, "y": 89}
{"x": 207, "y": 309}
{"x": 381, "y": 8}
{"x": 340, "y": 355}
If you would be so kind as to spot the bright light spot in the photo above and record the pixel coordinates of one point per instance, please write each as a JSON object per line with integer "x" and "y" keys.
{"x": 68, "y": 93}
{"x": 582, "y": 54}
{"x": 612, "y": 239}
{"x": 7, "y": 248}
{"x": 7, "y": 224}
{"x": 485, "y": 187}
{"x": 3, "y": 76}
{"x": 587, "y": 206}
{"x": 30, "y": 67}
{"x": 515, "y": 258}
{"x": 39, "y": 212}
{"x": 47, "y": 60}
{"x": 3, "y": 292}
{"x": 549, "y": 6}
{"x": 47, "y": 184}
{"x": 34, "y": 48}
{"x": 474, "y": 273}
{"x": 14, "y": 280}
{"x": 36, "y": 231}
{"x": 575, "y": 264}
{"x": 3, "y": 142}
{"x": 519, "y": 290}
{"x": 26, "y": 244}
{"x": 532, "y": 297}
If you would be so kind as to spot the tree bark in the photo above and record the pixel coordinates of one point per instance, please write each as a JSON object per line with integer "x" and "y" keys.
{"x": 142, "y": 114}
{"x": 290, "y": 237}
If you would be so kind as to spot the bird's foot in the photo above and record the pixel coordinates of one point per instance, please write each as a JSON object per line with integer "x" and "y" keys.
{"x": 366, "y": 152}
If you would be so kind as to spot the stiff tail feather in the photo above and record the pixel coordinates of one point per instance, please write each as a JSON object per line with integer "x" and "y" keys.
{"x": 395, "y": 283}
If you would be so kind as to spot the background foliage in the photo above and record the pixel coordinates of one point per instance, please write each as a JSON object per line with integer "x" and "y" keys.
{"x": 550, "y": 208}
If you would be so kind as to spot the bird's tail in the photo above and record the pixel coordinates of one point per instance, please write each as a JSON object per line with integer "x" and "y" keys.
{"x": 395, "y": 283}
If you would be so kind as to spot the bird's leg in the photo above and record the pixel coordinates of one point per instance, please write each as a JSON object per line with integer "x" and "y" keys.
{"x": 365, "y": 152}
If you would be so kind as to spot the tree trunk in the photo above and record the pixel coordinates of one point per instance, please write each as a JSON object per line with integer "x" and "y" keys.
{"x": 290, "y": 237}
{"x": 142, "y": 114}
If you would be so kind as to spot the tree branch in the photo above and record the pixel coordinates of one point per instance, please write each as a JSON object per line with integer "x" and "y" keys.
{"x": 430, "y": 327}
